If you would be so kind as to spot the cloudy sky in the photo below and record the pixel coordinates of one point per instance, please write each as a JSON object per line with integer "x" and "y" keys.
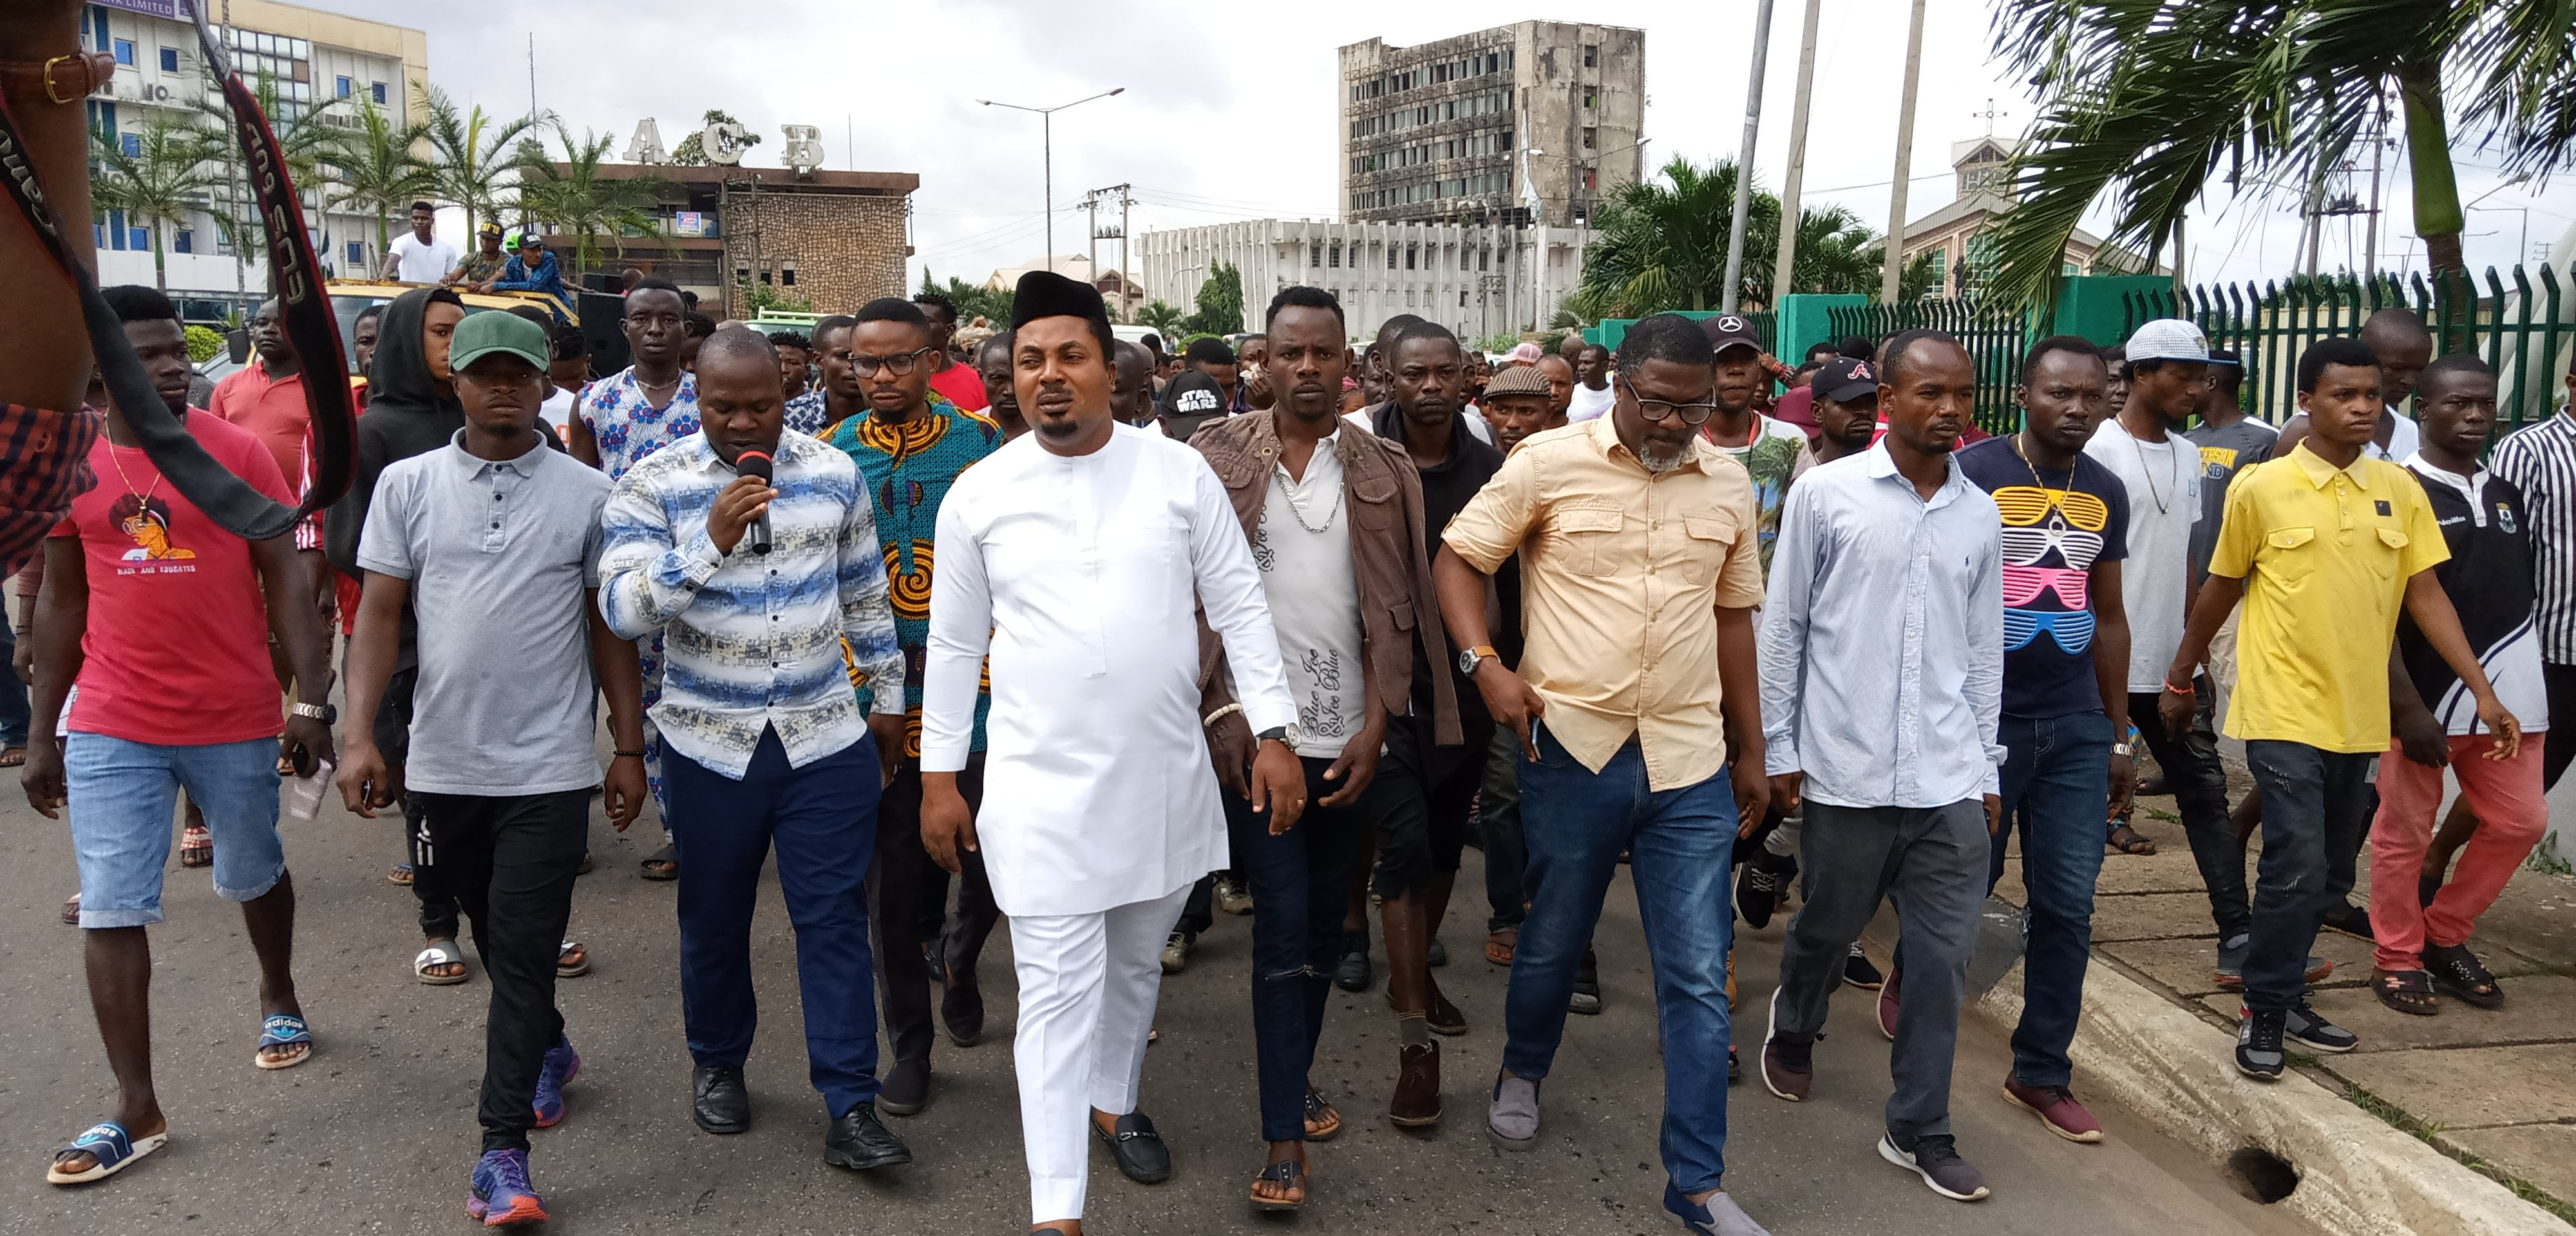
{"x": 1230, "y": 110}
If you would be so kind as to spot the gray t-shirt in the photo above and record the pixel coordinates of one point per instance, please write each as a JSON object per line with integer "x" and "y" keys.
{"x": 2223, "y": 453}
{"x": 499, "y": 556}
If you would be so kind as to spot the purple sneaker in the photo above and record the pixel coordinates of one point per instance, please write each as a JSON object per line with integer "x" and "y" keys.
{"x": 562, "y": 1065}
{"x": 502, "y": 1196}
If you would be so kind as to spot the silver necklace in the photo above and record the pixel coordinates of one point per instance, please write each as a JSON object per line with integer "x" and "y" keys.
{"x": 2175, "y": 468}
{"x": 1298, "y": 512}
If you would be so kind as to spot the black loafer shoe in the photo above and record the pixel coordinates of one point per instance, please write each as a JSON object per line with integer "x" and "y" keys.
{"x": 1140, "y": 1151}
{"x": 961, "y": 1008}
{"x": 859, "y": 1142}
{"x": 718, "y": 1101}
{"x": 1354, "y": 973}
{"x": 907, "y": 1088}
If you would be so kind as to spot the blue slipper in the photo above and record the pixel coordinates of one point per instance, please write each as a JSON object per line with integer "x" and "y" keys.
{"x": 109, "y": 1147}
{"x": 283, "y": 1030}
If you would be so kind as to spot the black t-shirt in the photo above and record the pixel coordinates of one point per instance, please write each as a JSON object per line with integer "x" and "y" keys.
{"x": 2490, "y": 582}
{"x": 1447, "y": 487}
{"x": 2052, "y": 537}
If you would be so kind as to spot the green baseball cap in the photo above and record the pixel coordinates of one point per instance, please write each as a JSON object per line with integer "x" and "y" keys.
{"x": 482, "y": 334}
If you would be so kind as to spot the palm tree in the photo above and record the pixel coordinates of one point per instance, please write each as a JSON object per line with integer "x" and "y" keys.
{"x": 312, "y": 146}
{"x": 2149, "y": 102}
{"x": 379, "y": 171}
{"x": 469, "y": 152}
{"x": 1662, "y": 245}
{"x": 172, "y": 171}
{"x": 572, "y": 194}
{"x": 1163, "y": 316}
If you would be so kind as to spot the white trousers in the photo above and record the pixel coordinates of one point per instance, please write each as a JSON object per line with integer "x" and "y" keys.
{"x": 1088, "y": 983}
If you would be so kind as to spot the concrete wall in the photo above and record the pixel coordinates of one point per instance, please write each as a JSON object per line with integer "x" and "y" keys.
{"x": 1469, "y": 279}
{"x": 846, "y": 249}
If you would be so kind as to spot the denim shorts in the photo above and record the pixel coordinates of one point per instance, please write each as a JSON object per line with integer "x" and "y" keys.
{"x": 122, "y": 796}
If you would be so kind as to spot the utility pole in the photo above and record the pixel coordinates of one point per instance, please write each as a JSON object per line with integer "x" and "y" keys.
{"x": 1091, "y": 228}
{"x": 2370, "y": 230}
{"x": 1796, "y": 179}
{"x": 1126, "y": 279}
{"x": 1732, "y": 297}
{"x": 532, "y": 79}
{"x": 1891, "y": 280}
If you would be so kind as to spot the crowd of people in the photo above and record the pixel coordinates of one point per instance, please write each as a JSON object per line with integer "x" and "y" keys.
{"x": 1038, "y": 628}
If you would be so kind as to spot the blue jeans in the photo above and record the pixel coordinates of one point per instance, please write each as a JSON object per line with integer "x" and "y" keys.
{"x": 2056, "y": 782}
{"x": 824, "y": 819}
{"x": 122, "y": 796}
{"x": 2316, "y": 803}
{"x": 1300, "y": 883}
{"x": 1576, "y": 822}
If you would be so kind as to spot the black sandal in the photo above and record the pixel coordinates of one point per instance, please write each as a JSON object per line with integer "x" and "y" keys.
{"x": 662, "y": 864}
{"x": 1323, "y": 1123}
{"x": 2458, "y": 971}
{"x": 2407, "y": 991}
{"x": 2128, "y": 840}
{"x": 1287, "y": 1172}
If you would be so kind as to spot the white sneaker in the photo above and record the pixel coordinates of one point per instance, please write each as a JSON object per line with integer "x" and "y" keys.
{"x": 1176, "y": 952}
{"x": 1232, "y": 897}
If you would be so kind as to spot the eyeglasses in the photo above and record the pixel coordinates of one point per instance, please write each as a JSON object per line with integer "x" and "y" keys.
{"x": 2026, "y": 546}
{"x": 1692, "y": 414}
{"x": 2023, "y": 584}
{"x": 899, "y": 364}
{"x": 2072, "y": 629}
{"x": 2025, "y": 505}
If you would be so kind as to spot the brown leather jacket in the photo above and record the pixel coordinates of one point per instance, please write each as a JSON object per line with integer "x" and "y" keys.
{"x": 1398, "y": 606}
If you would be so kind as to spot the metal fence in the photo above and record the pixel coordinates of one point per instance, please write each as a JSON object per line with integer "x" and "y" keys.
{"x": 1994, "y": 338}
{"x": 2524, "y": 327}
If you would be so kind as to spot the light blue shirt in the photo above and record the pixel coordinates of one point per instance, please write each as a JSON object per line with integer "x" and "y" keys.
{"x": 1882, "y": 638}
{"x": 754, "y": 640}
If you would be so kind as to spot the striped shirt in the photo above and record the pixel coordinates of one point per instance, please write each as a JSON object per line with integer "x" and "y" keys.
{"x": 754, "y": 640}
{"x": 2540, "y": 460}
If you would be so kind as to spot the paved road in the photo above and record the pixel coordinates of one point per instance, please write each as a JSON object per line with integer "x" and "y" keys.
{"x": 375, "y": 1134}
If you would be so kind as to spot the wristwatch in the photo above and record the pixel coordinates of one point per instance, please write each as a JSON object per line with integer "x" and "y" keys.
{"x": 327, "y": 714}
{"x": 2120, "y": 748}
{"x": 1288, "y": 734}
{"x": 1470, "y": 658}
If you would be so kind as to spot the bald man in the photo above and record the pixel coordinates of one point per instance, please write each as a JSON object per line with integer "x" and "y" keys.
{"x": 1131, "y": 388}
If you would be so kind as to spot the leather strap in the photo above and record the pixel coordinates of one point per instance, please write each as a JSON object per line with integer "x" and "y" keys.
{"x": 60, "y": 79}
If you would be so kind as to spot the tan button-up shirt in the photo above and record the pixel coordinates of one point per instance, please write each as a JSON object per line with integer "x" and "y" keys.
{"x": 1623, "y": 572}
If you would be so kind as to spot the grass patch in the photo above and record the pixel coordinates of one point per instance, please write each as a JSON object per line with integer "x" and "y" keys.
{"x": 2159, "y": 813}
{"x": 2428, "y": 1132}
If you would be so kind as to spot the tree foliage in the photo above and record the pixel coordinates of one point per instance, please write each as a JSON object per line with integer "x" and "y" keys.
{"x": 174, "y": 169}
{"x": 1220, "y": 304}
{"x": 573, "y": 195}
{"x": 378, "y": 171}
{"x": 972, "y": 300}
{"x": 470, "y": 153}
{"x": 1164, "y": 316}
{"x": 1661, "y": 245}
{"x": 692, "y": 150}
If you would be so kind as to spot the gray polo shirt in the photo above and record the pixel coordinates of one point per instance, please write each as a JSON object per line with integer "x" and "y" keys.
{"x": 499, "y": 556}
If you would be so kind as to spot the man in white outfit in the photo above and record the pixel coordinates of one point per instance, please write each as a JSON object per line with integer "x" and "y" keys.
{"x": 1099, "y": 809}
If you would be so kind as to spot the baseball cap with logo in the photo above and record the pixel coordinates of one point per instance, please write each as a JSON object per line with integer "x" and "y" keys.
{"x": 1846, "y": 379}
{"x": 490, "y": 332}
{"x": 2168, "y": 339}
{"x": 1728, "y": 330}
{"x": 1191, "y": 400}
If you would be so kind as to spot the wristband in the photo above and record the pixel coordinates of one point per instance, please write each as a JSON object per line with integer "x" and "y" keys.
{"x": 629, "y": 754}
{"x": 1220, "y": 715}
{"x": 2169, "y": 686}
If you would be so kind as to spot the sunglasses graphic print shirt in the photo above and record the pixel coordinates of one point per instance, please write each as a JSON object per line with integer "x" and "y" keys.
{"x": 2057, "y": 525}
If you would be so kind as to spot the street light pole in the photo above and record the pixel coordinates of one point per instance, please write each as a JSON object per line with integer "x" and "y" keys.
{"x": 1733, "y": 293}
{"x": 1891, "y": 279}
{"x": 1796, "y": 179}
{"x": 1046, "y": 139}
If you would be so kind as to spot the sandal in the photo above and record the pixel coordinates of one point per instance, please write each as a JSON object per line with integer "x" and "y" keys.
{"x": 196, "y": 846}
{"x": 283, "y": 1030}
{"x": 1323, "y": 1123}
{"x": 399, "y": 873}
{"x": 71, "y": 910}
{"x": 439, "y": 955}
{"x": 1501, "y": 943}
{"x": 2407, "y": 991}
{"x": 572, "y": 961}
{"x": 13, "y": 757}
{"x": 2459, "y": 973}
{"x": 1288, "y": 1172}
{"x": 110, "y": 1149}
{"x": 2128, "y": 840}
{"x": 662, "y": 864}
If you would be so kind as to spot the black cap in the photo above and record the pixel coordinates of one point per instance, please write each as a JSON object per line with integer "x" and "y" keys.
{"x": 1189, "y": 401}
{"x": 1046, "y": 294}
{"x": 1728, "y": 330}
{"x": 1845, "y": 379}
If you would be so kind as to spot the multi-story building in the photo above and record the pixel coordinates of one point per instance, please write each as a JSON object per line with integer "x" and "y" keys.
{"x": 325, "y": 67}
{"x": 1536, "y": 114}
{"x": 837, "y": 239}
{"x": 1959, "y": 237}
{"x": 1478, "y": 280}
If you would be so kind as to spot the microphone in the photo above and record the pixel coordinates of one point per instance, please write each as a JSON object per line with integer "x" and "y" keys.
{"x": 756, "y": 463}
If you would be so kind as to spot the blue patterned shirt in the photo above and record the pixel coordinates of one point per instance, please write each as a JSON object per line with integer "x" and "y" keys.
{"x": 754, "y": 641}
{"x": 627, "y": 427}
{"x": 909, "y": 468}
{"x": 805, "y": 413}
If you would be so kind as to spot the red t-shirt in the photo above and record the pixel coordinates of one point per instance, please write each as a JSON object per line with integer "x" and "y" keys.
{"x": 177, "y": 648}
{"x": 272, "y": 408}
{"x": 962, "y": 386}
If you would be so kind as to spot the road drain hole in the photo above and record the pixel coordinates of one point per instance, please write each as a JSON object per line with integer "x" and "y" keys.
{"x": 2262, "y": 1175}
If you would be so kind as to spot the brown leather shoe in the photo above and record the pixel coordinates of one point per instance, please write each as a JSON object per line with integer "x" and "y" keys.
{"x": 1417, "y": 1087}
{"x": 1444, "y": 1017}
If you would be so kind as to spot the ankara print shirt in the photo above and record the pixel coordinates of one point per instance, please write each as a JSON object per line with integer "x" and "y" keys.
{"x": 626, "y": 425}
{"x": 2056, "y": 526}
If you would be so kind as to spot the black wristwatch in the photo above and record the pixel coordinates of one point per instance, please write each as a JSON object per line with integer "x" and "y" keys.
{"x": 1280, "y": 733}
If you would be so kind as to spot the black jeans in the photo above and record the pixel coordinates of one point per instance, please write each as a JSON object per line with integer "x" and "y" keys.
{"x": 511, "y": 862}
{"x": 1429, "y": 804}
{"x": 1300, "y": 882}
{"x": 1498, "y": 824}
{"x": 2316, "y": 804}
{"x": 2199, "y": 785}
{"x": 429, "y": 885}
{"x": 899, "y": 882}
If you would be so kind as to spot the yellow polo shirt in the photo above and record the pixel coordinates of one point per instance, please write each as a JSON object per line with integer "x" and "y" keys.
{"x": 2325, "y": 554}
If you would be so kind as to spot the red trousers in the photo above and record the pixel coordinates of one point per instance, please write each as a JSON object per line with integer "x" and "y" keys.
{"x": 2507, "y": 796}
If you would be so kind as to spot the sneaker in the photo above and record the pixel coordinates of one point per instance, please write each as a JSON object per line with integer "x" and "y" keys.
{"x": 502, "y": 1196}
{"x": 1757, "y": 890}
{"x": 2056, "y": 1108}
{"x": 2302, "y": 1026}
{"x": 1718, "y": 1216}
{"x": 2231, "y": 964}
{"x": 562, "y": 1065}
{"x": 1858, "y": 971}
{"x": 1887, "y": 1005}
{"x": 1176, "y": 952}
{"x": 2258, "y": 1045}
{"x": 1935, "y": 1158}
{"x": 2350, "y": 919}
{"x": 1512, "y": 1121}
{"x": 1232, "y": 897}
{"x": 1734, "y": 1064}
{"x": 1354, "y": 973}
{"x": 1587, "y": 986}
{"x": 1787, "y": 1068}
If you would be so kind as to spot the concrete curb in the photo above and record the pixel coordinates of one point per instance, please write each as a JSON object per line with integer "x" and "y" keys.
{"x": 2357, "y": 1175}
